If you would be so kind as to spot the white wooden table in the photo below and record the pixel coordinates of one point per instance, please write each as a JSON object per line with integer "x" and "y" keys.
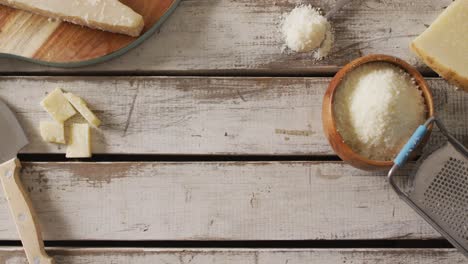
{"x": 212, "y": 148}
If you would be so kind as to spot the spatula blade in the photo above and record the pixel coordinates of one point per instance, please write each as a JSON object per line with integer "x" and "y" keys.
{"x": 12, "y": 136}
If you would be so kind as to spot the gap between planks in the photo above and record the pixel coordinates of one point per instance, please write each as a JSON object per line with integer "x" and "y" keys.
{"x": 46, "y": 157}
{"x": 309, "y": 244}
{"x": 283, "y": 73}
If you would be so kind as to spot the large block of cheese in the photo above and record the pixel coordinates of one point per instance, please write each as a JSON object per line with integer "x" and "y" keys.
{"x": 52, "y": 132}
{"x": 79, "y": 141}
{"x": 83, "y": 109}
{"x": 108, "y": 15}
{"x": 444, "y": 45}
{"x": 58, "y": 106}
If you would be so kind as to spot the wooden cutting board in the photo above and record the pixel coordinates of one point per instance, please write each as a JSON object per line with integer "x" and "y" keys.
{"x": 40, "y": 39}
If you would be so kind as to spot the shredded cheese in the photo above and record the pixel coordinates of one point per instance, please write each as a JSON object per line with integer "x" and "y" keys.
{"x": 304, "y": 29}
{"x": 377, "y": 108}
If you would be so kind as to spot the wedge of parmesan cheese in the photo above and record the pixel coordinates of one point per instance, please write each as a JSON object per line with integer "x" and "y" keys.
{"x": 444, "y": 45}
{"x": 52, "y": 132}
{"x": 107, "y": 15}
{"x": 79, "y": 141}
{"x": 58, "y": 106}
{"x": 81, "y": 106}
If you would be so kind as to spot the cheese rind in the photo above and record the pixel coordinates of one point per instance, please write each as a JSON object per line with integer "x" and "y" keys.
{"x": 108, "y": 15}
{"x": 82, "y": 107}
{"x": 79, "y": 141}
{"x": 444, "y": 45}
{"x": 58, "y": 106}
{"x": 52, "y": 132}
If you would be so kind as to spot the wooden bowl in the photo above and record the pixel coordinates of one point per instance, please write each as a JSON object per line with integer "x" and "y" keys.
{"x": 328, "y": 117}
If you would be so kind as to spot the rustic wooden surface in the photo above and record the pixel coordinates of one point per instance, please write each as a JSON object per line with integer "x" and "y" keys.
{"x": 37, "y": 37}
{"x": 200, "y": 115}
{"x": 244, "y": 256}
{"x": 232, "y": 35}
{"x": 175, "y": 98}
{"x": 214, "y": 201}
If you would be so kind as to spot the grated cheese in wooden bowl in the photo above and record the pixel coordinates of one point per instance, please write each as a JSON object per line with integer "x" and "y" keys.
{"x": 377, "y": 108}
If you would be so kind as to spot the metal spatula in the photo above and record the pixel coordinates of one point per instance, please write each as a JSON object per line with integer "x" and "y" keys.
{"x": 12, "y": 140}
{"x": 438, "y": 188}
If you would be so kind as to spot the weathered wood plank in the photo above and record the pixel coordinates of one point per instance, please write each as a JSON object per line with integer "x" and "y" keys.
{"x": 214, "y": 201}
{"x": 203, "y": 115}
{"x": 243, "y": 35}
{"x": 245, "y": 256}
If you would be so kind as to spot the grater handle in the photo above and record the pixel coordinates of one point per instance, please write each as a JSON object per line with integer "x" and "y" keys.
{"x": 412, "y": 143}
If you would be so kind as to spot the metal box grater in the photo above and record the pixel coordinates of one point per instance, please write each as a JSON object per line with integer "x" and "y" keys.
{"x": 438, "y": 187}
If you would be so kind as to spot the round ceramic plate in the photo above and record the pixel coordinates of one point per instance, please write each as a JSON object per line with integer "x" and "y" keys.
{"x": 35, "y": 38}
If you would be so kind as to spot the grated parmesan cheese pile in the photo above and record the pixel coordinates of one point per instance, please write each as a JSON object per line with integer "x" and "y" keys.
{"x": 304, "y": 29}
{"x": 377, "y": 108}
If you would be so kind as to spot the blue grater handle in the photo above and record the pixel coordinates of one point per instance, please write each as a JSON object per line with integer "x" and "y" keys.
{"x": 412, "y": 143}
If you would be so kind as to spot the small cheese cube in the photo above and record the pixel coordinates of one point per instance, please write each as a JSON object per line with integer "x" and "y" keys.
{"x": 79, "y": 141}
{"x": 58, "y": 106}
{"x": 52, "y": 132}
{"x": 81, "y": 106}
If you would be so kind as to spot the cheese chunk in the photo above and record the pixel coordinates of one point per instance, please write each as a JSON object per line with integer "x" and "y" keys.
{"x": 444, "y": 45}
{"x": 81, "y": 106}
{"x": 79, "y": 139}
{"x": 58, "y": 106}
{"x": 52, "y": 132}
{"x": 108, "y": 15}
